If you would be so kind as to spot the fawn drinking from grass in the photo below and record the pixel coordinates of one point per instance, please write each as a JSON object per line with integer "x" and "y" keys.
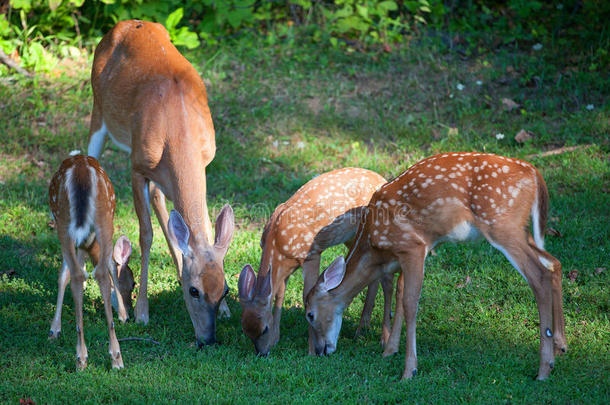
{"x": 450, "y": 197}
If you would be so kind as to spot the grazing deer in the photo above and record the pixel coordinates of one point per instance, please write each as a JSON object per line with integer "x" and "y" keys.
{"x": 322, "y": 213}
{"x": 451, "y": 197}
{"x": 152, "y": 103}
{"x": 82, "y": 201}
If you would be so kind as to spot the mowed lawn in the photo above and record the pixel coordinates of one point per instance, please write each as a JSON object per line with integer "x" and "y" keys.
{"x": 284, "y": 114}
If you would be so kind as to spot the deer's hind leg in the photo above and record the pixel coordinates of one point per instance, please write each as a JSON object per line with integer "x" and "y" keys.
{"x": 102, "y": 274}
{"x": 527, "y": 260}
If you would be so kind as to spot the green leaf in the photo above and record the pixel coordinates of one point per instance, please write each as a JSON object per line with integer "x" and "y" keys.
{"x": 363, "y": 11}
{"x": 5, "y": 27}
{"x": 387, "y": 6}
{"x": 173, "y": 19}
{"x": 53, "y": 4}
{"x": 186, "y": 38}
{"x": 237, "y": 16}
{"x": 344, "y": 12}
{"x": 351, "y": 23}
{"x": 24, "y": 5}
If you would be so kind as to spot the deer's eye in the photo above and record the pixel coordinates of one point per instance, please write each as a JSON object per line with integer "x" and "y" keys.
{"x": 265, "y": 330}
{"x": 194, "y": 292}
{"x": 310, "y": 316}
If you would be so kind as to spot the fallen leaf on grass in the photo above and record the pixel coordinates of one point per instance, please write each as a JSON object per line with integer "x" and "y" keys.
{"x": 523, "y": 136}
{"x": 553, "y": 232}
{"x": 573, "y": 275}
{"x": 26, "y": 401}
{"x": 509, "y": 104}
{"x": 466, "y": 282}
{"x": 599, "y": 270}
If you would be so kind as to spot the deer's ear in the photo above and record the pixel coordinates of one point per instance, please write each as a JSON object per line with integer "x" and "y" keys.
{"x": 122, "y": 251}
{"x": 333, "y": 275}
{"x": 225, "y": 225}
{"x": 245, "y": 284}
{"x": 178, "y": 232}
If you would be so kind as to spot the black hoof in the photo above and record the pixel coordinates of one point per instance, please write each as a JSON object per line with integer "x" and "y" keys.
{"x": 563, "y": 349}
{"x": 414, "y": 373}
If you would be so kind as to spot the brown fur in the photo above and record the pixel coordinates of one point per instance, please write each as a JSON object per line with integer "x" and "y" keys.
{"x": 87, "y": 175}
{"x": 152, "y": 100}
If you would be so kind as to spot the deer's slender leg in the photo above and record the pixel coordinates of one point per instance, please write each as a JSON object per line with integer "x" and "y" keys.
{"x": 142, "y": 206}
{"x": 412, "y": 264}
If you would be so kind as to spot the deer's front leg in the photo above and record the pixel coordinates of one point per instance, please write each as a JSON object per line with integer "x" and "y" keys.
{"x": 311, "y": 267}
{"x": 277, "y": 312}
{"x": 367, "y": 310}
{"x": 387, "y": 285}
{"x": 158, "y": 203}
{"x": 391, "y": 346}
{"x": 412, "y": 264}
{"x": 141, "y": 202}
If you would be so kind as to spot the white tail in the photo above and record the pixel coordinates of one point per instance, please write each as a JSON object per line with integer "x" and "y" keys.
{"x": 450, "y": 197}
{"x": 82, "y": 201}
{"x": 152, "y": 103}
{"x": 322, "y": 213}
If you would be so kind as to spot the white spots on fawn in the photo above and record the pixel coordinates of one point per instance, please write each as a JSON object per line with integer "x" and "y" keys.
{"x": 505, "y": 169}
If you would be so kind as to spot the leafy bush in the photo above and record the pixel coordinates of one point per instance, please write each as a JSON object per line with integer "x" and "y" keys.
{"x": 35, "y": 30}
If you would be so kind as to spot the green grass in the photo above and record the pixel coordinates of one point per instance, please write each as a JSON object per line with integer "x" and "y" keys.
{"x": 282, "y": 115}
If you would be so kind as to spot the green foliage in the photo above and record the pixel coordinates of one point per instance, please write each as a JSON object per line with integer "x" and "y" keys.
{"x": 181, "y": 36}
{"x": 368, "y": 21}
{"x": 471, "y": 27}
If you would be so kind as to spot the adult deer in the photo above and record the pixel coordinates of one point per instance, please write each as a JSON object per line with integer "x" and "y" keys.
{"x": 152, "y": 103}
{"x": 322, "y": 213}
{"x": 449, "y": 197}
{"x": 82, "y": 201}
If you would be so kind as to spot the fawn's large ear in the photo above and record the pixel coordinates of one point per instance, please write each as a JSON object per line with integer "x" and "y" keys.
{"x": 225, "y": 225}
{"x": 245, "y": 284}
{"x": 122, "y": 251}
{"x": 333, "y": 275}
{"x": 178, "y": 232}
